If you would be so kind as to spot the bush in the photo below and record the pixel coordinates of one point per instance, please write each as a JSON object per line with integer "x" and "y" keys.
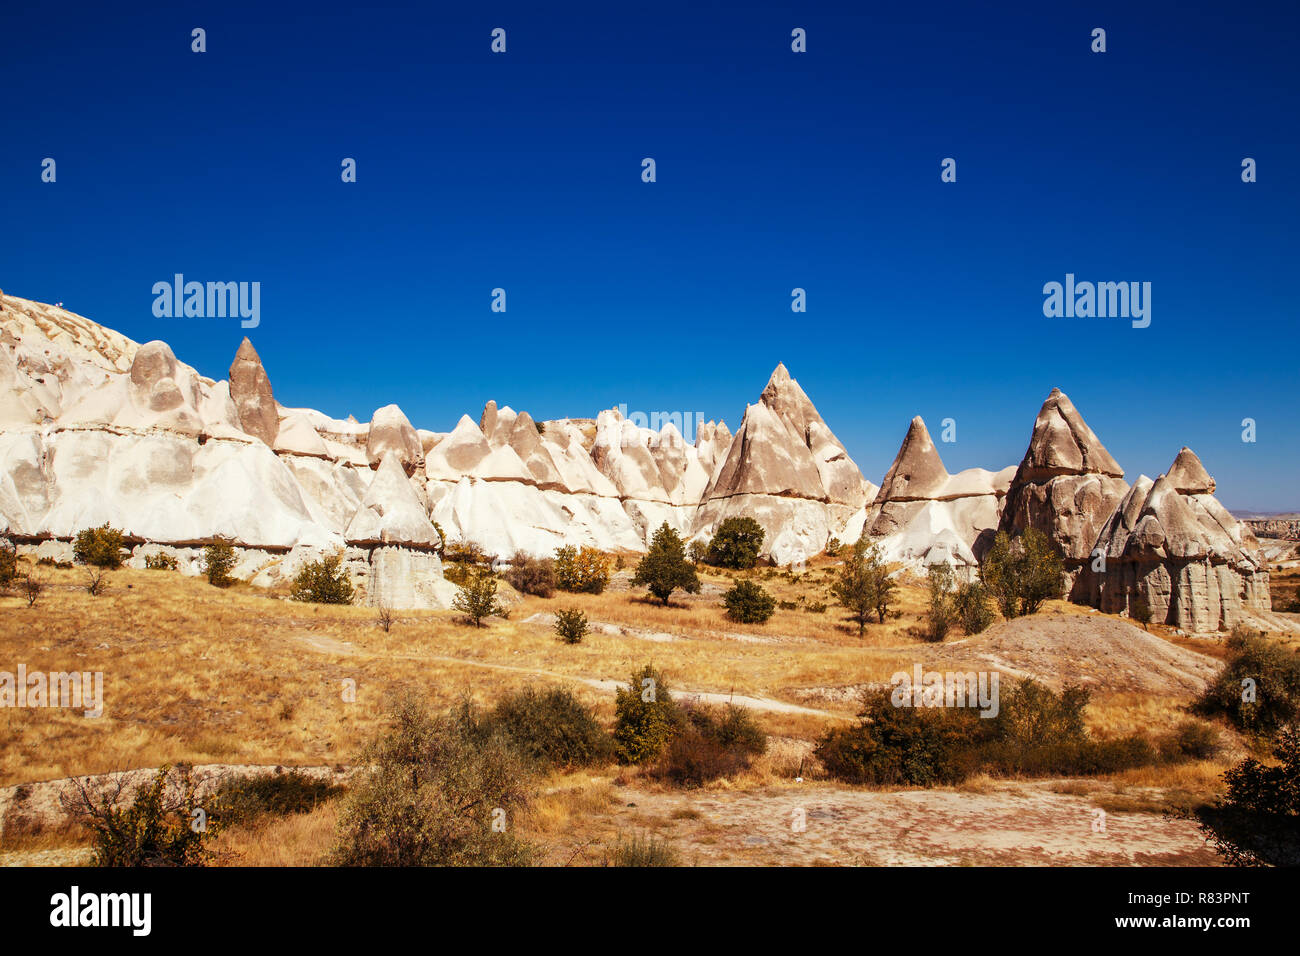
{"x": 707, "y": 746}
{"x": 466, "y": 552}
{"x": 434, "y": 789}
{"x": 160, "y": 562}
{"x": 1190, "y": 740}
{"x": 637, "y": 851}
{"x": 1036, "y": 732}
{"x": 550, "y": 728}
{"x": 530, "y": 575}
{"x": 1257, "y": 822}
{"x": 96, "y": 580}
{"x": 1021, "y": 574}
{"x": 1139, "y": 610}
{"x": 736, "y": 543}
{"x": 30, "y": 587}
{"x": 102, "y": 547}
{"x": 570, "y": 625}
{"x": 748, "y": 603}
{"x": 833, "y": 547}
{"x": 1275, "y": 673}
{"x": 941, "y": 611}
{"x": 583, "y": 572}
{"x": 218, "y": 560}
{"x": 8, "y": 563}
{"x": 157, "y": 828}
{"x": 664, "y": 567}
{"x": 973, "y": 607}
{"x": 863, "y": 586}
{"x": 645, "y": 717}
{"x": 477, "y": 598}
{"x": 323, "y": 582}
{"x": 697, "y": 552}
{"x": 914, "y": 746}
{"x": 244, "y": 800}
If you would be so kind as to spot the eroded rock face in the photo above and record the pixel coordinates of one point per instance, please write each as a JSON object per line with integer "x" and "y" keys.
{"x": 1067, "y": 485}
{"x": 1172, "y": 544}
{"x": 391, "y": 432}
{"x": 922, "y": 515}
{"x": 250, "y": 390}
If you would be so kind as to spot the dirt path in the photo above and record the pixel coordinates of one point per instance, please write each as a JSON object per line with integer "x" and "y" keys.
{"x": 1010, "y": 824}
{"x": 328, "y": 645}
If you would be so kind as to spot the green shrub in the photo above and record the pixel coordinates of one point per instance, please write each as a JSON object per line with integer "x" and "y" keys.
{"x": 941, "y": 611}
{"x": 550, "y": 728}
{"x": 102, "y": 547}
{"x": 748, "y": 603}
{"x": 863, "y": 586}
{"x": 1191, "y": 740}
{"x": 635, "y": 850}
{"x": 244, "y": 800}
{"x": 582, "y": 572}
{"x": 160, "y": 561}
{"x": 815, "y": 607}
{"x": 477, "y": 598}
{"x": 833, "y": 547}
{"x": 1139, "y": 610}
{"x": 433, "y": 790}
{"x": 1036, "y": 732}
{"x": 664, "y": 567}
{"x": 1022, "y": 573}
{"x": 159, "y": 826}
{"x": 974, "y": 609}
{"x": 323, "y": 582}
{"x": 708, "y": 745}
{"x": 570, "y": 625}
{"x": 697, "y": 552}
{"x": 530, "y": 575}
{"x": 218, "y": 560}
{"x": 736, "y": 543}
{"x": 645, "y": 717}
{"x": 1275, "y": 673}
{"x": 8, "y": 563}
{"x": 1257, "y": 822}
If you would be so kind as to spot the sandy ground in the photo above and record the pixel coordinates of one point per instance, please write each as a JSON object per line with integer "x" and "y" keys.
{"x": 1009, "y": 824}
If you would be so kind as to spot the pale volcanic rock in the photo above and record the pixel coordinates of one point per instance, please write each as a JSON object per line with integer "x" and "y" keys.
{"x": 391, "y": 431}
{"x": 391, "y": 512}
{"x": 1067, "y": 485}
{"x": 1173, "y": 544}
{"x": 250, "y": 390}
{"x": 296, "y": 436}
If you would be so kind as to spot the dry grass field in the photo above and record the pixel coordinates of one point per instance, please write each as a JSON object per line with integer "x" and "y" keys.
{"x": 244, "y": 676}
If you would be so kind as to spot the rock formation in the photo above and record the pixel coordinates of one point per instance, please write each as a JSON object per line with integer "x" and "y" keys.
{"x": 922, "y": 515}
{"x": 1067, "y": 485}
{"x": 250, "y": 390}
{"x": 1173, "y": 545}
{"x": 787, "y": 470}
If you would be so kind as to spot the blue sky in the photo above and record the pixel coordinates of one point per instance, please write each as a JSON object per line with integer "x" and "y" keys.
{"x": 775, "y": 170}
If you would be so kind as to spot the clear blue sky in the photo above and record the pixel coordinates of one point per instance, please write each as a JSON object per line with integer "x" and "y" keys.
{"x": 775, "y": 170}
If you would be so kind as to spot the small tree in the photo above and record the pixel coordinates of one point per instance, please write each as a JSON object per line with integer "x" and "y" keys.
{"x": 160, "y": 562}
{"x": 864, "y": 587}
{"x": 1023, "y": 573}
{"x": 736, "y": 543}
{"x": 477, "y": 597}
{"x": 8, "y": 563}
{"x": 530, "y": 575}
{"x": 31, "y": 587}
{"x": 664, "y": 568}
{"x": 973, "y": 607}
{"x": 218, "y": 561}
{"x": 323, "y": 582}
{"x": 96, "y": 580}
{"x": 160, "y": 826}
{"x": 833, "y": 547}
{"x": 101, "y": 547}
{"x": 941, "y": 610}
{"x": 570, "y": 625}
{"x": 1139, "y": 609}
{"x": 748, "y": 603}
{"x": 645, "y": 717}
{"x": 698, "y": 553}
{"x": 583, "y": 572}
